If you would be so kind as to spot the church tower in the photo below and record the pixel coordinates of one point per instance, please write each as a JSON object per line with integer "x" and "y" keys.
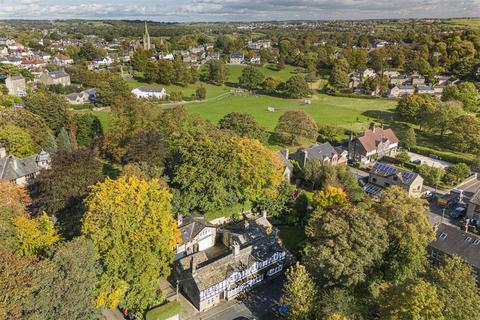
{"x": 146, "y": 39}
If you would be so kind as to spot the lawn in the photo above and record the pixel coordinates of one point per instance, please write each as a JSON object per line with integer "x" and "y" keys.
{"x": 268, "y": 70}
{"x": 349, "y": 113}
{"x": 292, "y": 237}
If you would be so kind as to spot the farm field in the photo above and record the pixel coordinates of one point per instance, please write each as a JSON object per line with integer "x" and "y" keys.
{"x": 473, "y": 23}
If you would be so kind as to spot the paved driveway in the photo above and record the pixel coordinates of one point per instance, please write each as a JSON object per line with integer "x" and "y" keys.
{"x": 429, "y": 161}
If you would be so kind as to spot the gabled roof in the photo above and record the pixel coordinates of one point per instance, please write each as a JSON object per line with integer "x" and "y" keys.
{"x": 316, "y": 151}
{"x": 373, "y": 136}
{"x": 453, "y": 241}
{"x": 150, "y": 90}
{"x": 390, "y": 171}
{"x": 12, "y": 168}
{"x": 192, "y": 226}
{"x": 282, "y": 156}
{"x": 236, "y": 55}
{"x": 57, "y": 74}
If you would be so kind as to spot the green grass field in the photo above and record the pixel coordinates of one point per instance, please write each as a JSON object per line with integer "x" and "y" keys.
{"x": 269, "y": 71}
{"x": 350, "y": 113}
{"x": 473, "y": 23}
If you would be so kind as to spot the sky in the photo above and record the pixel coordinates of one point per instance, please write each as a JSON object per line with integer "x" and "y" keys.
{"x": 236, "y": 10}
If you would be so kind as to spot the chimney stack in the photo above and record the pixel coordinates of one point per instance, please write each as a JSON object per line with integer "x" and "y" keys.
{"x": 193, "y": 266}
{"x": 179, "y": 219}
{"x": 264, "y": 214}
{"x": 372, "y": 126}
{"x": 3, "y": 153}
{"x": 236, "y": 249}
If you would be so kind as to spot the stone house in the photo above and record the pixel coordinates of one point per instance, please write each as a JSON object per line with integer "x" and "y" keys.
{"x": 247, "y": 254}
{"x": 453, "y": 241}
{"x": 287, "y": 165}
{"x": 373, "y": 144}
{"x": 55, "y": 77}
{"x": 323, "y": 152}
{"x": 473, "y": 207}
{"x": 236, "y": 58}
{"x": 16, "y": 85}
{"x": 22, "y": 171}
{"x": 148, "y": 93}
{"x": 401, "y": 90}
{"x": 384, "y": 175}
{"x": 197, "y": 235}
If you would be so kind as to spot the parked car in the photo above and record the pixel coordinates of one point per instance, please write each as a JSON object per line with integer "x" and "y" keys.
{"x": 418, "y": 161}
{"x": 458, "y": 212}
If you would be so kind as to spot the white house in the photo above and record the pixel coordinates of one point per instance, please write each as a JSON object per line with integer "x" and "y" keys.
{"x": 147, "y": 93}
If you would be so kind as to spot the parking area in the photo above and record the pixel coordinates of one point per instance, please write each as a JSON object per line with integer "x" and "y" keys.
{"x": 428, "y": 160}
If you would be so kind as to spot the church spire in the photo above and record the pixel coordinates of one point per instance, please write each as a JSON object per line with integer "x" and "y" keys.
{"x": 146, "y": 38}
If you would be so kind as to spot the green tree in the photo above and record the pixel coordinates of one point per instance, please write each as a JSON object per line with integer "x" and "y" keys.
{"x": 403, "y": 157}
{"x": 140, "y": 59}
{"x": 297, "y": 87}
{"x": 466, "y": 93}
{"x": 329, "y": 133}
{"x": 147, "y": 146}
{"x": 176, "y": 95}
{"x": 339, "y": 75}
{"x": 465, "y": 134}
{"x": 51, "y": 107}
{"x": 409, "y": 234}
{"x": 294, "y": 125}
{"x": 88, "y": 129}
{"x": 17, "y": 141}
{"x": 299, "y": 293}
{"x": 90, "y": 53}
{"x": 251, "y": 77}
{"x": 215, "y": 72}
{"x": 60, "y": 189}
{"x": 359, "y": 239}
{"x": 32, "y": 123}
{"x": 456, "y": 288}
{"x": 415, "y": 300}
{"x": 66, "y": 286}
{"x": 456, "y": 173}
{"x": 201, "y": 93}
{"x": 410, "y": 107}
{"x": 432, "y": 175}
{"x": 271, "y": 85}
{"x": 137, "y": 248}
{"x": 244, "y": 125}
{"x": 409, "y": 138}
{"x": 63, "y": 140}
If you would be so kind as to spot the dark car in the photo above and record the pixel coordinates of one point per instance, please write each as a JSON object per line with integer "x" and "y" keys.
{"x": 458, "y": 212}
{"x": 418, "y": 161}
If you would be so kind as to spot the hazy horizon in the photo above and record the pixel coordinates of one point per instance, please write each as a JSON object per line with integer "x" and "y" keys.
{"x": 235, "y": 10}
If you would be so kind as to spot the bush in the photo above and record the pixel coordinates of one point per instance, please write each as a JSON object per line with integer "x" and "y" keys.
{"x": 456, "y": 173}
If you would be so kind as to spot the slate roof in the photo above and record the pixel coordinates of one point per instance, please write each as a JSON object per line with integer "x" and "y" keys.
{"x": 282, "y": 156}
{"x": 317, "y": 151}
{"x": 146, "y": 89}
{"x": 192, "y": 226}
{"x": 390, "y": 171}
{"x": 57, "y": 74}
{"x": 12, "y": 168}
{"x": 453, "y": 241}
{"x": 370, "y": 138}
{"x": 236, "y": 56}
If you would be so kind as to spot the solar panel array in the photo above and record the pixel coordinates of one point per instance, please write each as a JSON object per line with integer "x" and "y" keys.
{"x": 372, "y": 189}
{"x": 387, "y": 170}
